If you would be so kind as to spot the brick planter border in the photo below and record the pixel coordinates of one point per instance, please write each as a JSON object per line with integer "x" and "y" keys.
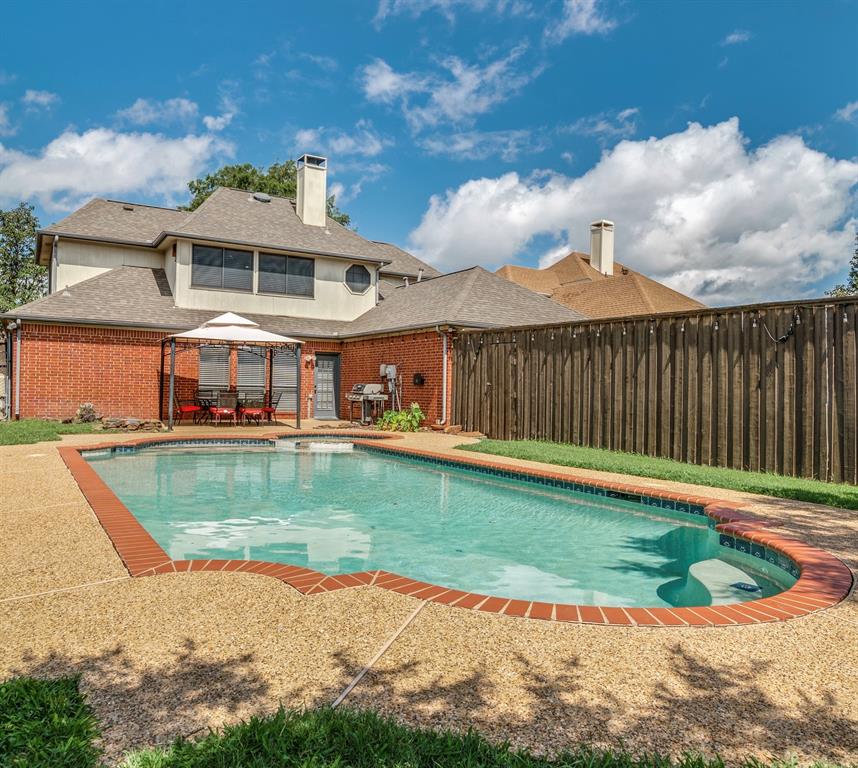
{"x": 823, "y": 580}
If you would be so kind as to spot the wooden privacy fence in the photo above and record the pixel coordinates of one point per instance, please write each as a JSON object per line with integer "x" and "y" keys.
{"x": 768, "y": 387}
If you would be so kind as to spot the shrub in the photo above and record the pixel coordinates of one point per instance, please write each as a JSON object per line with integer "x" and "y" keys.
{"x": 407, "y": 420}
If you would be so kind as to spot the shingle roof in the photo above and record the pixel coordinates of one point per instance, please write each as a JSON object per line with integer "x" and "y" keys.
{"x": 404, "y": 263}
{"x": 577, "y": 285}
{"x": 118, "y": 221}
{"x": 141, "y": 297}
{"x": 231, "y": 215}
{"x": 470, "y": 298}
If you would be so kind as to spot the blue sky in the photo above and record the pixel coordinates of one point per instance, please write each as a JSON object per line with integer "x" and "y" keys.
{"x": 721, "y": 137}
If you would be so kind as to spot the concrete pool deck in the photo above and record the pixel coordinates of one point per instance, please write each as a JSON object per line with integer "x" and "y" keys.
{"x": 172, "y": 654}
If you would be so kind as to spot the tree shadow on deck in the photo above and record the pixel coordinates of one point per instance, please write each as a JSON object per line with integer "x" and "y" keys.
{"x": 146, "y": 705}
{"x": 696, "y": 706}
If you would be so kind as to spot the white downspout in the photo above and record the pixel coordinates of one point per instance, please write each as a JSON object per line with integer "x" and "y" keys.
{"x": 55, "y": 260}
{"x": 17, "y": 369}
{"x": 443, "y": 336}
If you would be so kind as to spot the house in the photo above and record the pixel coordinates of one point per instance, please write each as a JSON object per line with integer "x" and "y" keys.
{"x": 597, "y": 286}
{"x": 123, "y": 276}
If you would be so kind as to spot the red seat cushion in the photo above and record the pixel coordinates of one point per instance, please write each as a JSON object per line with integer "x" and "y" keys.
{"x": 222, "y": 411}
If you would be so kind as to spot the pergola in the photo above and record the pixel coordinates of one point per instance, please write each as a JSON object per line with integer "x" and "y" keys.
{"x": 233, "y": 331}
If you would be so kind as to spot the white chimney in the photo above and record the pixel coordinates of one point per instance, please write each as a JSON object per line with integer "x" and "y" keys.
{"x": 312, "y": 201}
{"x": 602, "y": 246}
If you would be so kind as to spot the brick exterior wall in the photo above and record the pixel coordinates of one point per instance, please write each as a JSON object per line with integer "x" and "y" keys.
{"x": 411, "y": 353}
{"x": 118, "y": 370}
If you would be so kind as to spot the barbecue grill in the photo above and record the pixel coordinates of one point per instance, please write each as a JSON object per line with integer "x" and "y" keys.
{"x": 370, "y": 397}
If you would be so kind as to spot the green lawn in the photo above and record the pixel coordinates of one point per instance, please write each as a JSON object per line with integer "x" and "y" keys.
{"x": 836, "y": 495}
{"x": 37, "y": 430}
{"x": 46, "y": 724}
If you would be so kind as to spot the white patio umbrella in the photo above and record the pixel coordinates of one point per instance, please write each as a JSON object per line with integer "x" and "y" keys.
{"x": 235, "y": 331}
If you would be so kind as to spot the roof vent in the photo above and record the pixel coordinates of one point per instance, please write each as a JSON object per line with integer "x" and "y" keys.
{"x": 127, "y": 207}
{"x": 261, "y": 197}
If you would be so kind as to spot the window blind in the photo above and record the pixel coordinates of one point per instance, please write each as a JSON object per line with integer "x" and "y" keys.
{"x": 284, "y": 378}
{"x": 214, "y": 367}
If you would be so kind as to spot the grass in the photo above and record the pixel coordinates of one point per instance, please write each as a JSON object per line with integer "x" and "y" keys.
{"x": 39, "y": 430}
{"x": 563, "y": 454}
{"x": 47, "y": 723}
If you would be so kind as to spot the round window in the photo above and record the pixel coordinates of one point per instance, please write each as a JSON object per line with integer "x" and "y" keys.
{"x": 358, "y": 278}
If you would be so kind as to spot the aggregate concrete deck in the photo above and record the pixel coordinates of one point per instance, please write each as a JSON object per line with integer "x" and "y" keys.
{"x": 169, "y": 655}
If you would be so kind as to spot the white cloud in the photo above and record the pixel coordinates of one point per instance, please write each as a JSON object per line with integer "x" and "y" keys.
{"x": 366, "y": 173}
{"x": 217, "y": 122}
{"x": 848, "y": 113}
{"x": 447, "y": 8}
{"x": 457, "y": 95}
{"x": 580, "y": 17}
{"x": 151, "y": 111}
{"x": 6, "y": 127}
{"x": 228, "y": 108}
{"x": 554, "y": 254}
{"x": 76, "y": 166}
{"x": 606, "y": 126}
{"x": 363, "y": 140}
{"x": 478, "y": 145}
{"x": 382, "y": 84}
{"x": 736, "y": 37}
{"x": 696, "y": 209}
{"x": 39, "y": 99}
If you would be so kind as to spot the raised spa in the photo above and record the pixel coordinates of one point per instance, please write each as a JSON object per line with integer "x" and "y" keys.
{"x": 339, "y": 508}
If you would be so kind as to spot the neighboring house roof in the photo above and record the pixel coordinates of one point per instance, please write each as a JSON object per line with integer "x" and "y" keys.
{"x": 573, "y": 283}
{"x": 141, "y": 297}
{"x": 234, "y": 216}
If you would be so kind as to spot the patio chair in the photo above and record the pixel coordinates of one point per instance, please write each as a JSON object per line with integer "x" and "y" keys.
{"x": 251, "y": 409}
{"x": 227, "y": 405}
{"x": 270, "y": 411}
{"x": 188, "y": 408}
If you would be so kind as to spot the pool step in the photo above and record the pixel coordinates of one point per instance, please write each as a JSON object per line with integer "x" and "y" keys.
{"x": 719, "y": 578}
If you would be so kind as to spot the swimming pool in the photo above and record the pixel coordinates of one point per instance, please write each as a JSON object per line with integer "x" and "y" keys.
{"x": 346, "y": 508}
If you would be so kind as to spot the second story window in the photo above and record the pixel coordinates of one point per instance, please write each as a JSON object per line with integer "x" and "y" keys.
{"x": 287, "y": 275}
{"x": 224, "y": 268}
{"x": 358, "y": 278}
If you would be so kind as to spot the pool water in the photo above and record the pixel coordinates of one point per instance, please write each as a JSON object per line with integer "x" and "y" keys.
{"x": 338, "y": 510}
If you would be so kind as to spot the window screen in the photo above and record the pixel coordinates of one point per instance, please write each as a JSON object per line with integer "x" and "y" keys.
{"x": 289, "y": 275}
{"x": 222, "y": 268}
{"x": 214, "y": 368}
{"x": 357, "y": 278}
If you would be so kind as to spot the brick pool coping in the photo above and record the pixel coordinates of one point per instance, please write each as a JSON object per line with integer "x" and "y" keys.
{"x": 823, "y": 579}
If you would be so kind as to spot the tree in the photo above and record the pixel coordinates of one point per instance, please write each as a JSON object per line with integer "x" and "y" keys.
{"x": 850, "y": 287}
{"x": 278, "y": 179}
{"x": 21, "y": 279}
